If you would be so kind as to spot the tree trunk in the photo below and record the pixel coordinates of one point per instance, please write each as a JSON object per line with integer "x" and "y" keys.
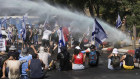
{"x": 91, "y": 8}
{"x": 97, "y": 11}
{"x": 134, "y": 35}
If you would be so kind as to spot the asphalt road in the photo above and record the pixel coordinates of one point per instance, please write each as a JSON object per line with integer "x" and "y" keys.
{"x": 99, "y": 72}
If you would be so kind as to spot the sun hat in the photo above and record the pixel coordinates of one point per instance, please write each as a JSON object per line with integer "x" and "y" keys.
{"x": 115, "y": 51}
{"x": 24, "y": 52}
{"x": 12, "y": 47}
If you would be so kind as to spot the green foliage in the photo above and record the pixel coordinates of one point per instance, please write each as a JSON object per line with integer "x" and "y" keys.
{"x": 107, "y": 9}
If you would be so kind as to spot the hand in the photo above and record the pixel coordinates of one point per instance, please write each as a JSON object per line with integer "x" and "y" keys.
{"x": 27, "y": 70}
{"x": 32, "y": 46}
{"x": 70, "y": 61}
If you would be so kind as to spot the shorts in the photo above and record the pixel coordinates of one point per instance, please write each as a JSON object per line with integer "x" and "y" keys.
{"x": 27, "y": 41}
{"x": 78, "y": 66}
{"x": 128, "y": 67}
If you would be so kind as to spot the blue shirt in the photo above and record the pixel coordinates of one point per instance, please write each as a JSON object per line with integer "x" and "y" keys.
{"x": 25, "y": 64}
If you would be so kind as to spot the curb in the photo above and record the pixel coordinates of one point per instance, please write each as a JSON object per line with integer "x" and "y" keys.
{"x": 121, "y": 51}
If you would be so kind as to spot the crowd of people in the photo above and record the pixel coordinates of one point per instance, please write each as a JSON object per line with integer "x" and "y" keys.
{"x": 34, "y": 56}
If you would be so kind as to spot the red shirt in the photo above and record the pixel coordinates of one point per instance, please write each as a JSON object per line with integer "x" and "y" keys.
{"x": 78, "y": 59}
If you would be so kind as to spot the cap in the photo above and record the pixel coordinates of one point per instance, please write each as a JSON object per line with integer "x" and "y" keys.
{"x": 24, "y": 50}
{"x": 77, "y": 47}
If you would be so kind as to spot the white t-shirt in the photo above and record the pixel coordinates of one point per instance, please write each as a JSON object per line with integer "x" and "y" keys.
{"x": 44, "y": 57}
{"x": 46, "y": 34}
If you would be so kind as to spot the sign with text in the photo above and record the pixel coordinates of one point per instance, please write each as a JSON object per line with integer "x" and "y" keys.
{"x": 2, "y": 45}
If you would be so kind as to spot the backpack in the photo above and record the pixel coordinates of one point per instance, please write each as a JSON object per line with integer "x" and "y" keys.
{"x": 115, "y": 61}
{"x": 137, "y": 53}
{"x": 129, "y": 60}
{"x": 92, "y": 57}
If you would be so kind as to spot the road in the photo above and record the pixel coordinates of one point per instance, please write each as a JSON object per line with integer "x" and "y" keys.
{"x": 99, "y": 72}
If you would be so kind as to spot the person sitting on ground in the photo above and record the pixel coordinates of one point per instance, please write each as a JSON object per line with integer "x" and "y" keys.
{"x": 35, "y": 66}
{"x": 13, "y": 66}
{"x": 78, "y": 59}
{"x": 128, "y": 62}
{"x": 114, "y": 60}
{"x": 93, "y": 55}
{"x": 64, "y": 58}
{"x": 24, "y": 56}
{"x": 137, "y": 58}
{"x": 3, "y": 58}
{"x": 44, "y": 56}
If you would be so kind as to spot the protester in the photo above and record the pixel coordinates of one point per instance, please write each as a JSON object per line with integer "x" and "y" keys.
{"x": 4, "y": 33}
{"x": 35, "y": 66}
{"x": 128, "y": 62}
{"x": 114, "y": 60}
{"x": 93, "y": 56}
{"x": 13, "y": 66}
{"x": 14, "y": 34}
{"x": 78, "y": 59}
{"x": 12, "y": 50}
{"x": 45, "y": 38}
{"x": 137, "y": 58}
{"x": 3, "y": 58}
{"x": 39, "y": 33}
{"x": 35, "y": 33}
{"x": 64, "y": 58}
{"x": 28, "y": 39}
{"x": 44, "y": 56}
{"x": 24, "y": 56}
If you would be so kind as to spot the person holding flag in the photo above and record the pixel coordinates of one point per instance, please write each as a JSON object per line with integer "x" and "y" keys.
{"x": 61, "y": 39}
{"x": 46, "y": 38}
{"x": 98, "y": 34}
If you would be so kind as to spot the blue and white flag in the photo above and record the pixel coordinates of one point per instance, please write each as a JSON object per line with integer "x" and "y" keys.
{"x": 118, "y": 22}
{"x": 24, "y": 27}
{"x": 4, "y": 22}
{"x": 98, "y": 34}
{"x": 61, "y": 39}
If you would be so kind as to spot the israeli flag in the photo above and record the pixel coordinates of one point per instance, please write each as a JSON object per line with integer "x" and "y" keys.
{"x": 0, "y": 30}
{"x": 61, "y": 39}
{"x": 24, "y": 27}
{"x": 4, "y": 22}
{"x": 9, "y": 35}
{"x": 118, "y": 22}
{"x": 98, "y": 34}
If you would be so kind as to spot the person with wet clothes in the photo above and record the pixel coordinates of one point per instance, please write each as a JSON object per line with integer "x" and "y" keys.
{"x": 128, "y": 61}
{"x": 78, "y": 59}
{"x": 114, "y": 60}
{"x": 35, "y": 66}
{"x": 92, "y": 55}
{"x": 64, "y": 58}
